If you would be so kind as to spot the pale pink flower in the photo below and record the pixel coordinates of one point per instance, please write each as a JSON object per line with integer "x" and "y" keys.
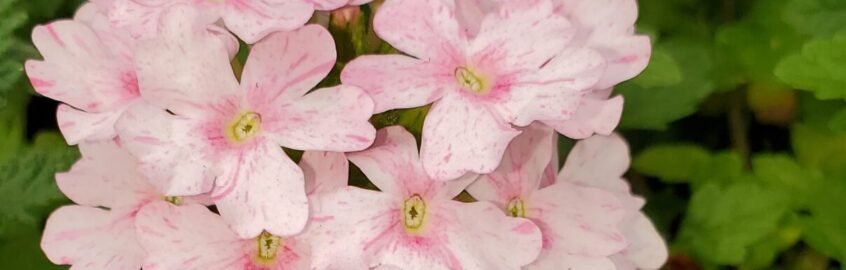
{"x": 413, "y": 223}
{"x": 607, "y": 26}
{"x": 600, "y": 162}
{"x": 519, "y": 68}
{"x": 579, "y": 224}
{"x": 251, "y": 20}
{"x": 99, "y": 232}
{"x": 188, "y": 237}
{"x": 88, "y": 66}
{"x": 221, "y": 137}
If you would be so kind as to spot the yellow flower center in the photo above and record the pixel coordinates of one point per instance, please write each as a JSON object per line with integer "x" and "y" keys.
{"x": 268, "y": 247}
{"x": 414, "y": 213}
{"x": 516, "y": 208}
{"x": 470, "y": 81}
{"x": 245, "y": 126}
{"x": 175, "y": 200}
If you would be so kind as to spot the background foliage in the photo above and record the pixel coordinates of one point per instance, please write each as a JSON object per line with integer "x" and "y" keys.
{"x": 737, "y": 127}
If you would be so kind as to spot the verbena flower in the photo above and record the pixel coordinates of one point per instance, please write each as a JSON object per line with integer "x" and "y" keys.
{"x": 250, "y": 20}
{"x": 99, "y": 232}
{"x": 201, "y": 131}
{"x": 519, "y": 68}
{"x": 580, "y": 225}
{"x": 413, "y": 223}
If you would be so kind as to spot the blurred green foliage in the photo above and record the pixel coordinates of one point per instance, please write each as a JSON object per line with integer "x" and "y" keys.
{"x": 737, "y": 127}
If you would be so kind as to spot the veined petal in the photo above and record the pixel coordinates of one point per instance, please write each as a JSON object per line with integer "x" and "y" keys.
{"x": 172, "y": 156}
{"x": 78, "y": 126}
{"x": 203, "y": 73}
{"x": 578, "y": 220}
{"x": 324, "y": 171}
{"x": 558, "y": 259}
{"x": 106, "y": 176}
{"x": 397, "y": 81}
{"x": 286, "y": 65}
{"x": 328, "y": 119}
{"x": 187, "y": 237}
{"x": 392, "y": 162}
{"x": 91, "y": 238}
{"x": 261, "y": 190}
{"x": 521, "y": 169}
{"x": 482, "y": 237}
{"x": 425, "y": 29}
{"x": 460, "y": 136}
{"x": 594, "y": 116}
{"x": 252, "y": 20}
{"x": 646, "y": 249}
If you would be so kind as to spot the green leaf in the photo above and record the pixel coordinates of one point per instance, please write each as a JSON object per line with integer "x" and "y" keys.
{"x": 672, "y": 163}
{"x": 817, "y": 17}
{"x": 655, "y": 107}
{"x": 763, "y": 253}
{"x": 820, "y": 149}
{"x": 28, "y": 190}
{"x": 824, "y": 227}
{"x": 820, "y": 67}
{"x": 838, "y": 121}
{"x": 661, "y": 71}
{"x": 782, "y": 172}
{"x": 724, "y": 222}
{"x": 22, "y": 250}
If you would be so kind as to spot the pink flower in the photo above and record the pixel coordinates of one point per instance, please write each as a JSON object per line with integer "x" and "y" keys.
{"x": 518, "y": 68}
{"x": 191, "y": 237}
{"x": 600, "y": 162}
{"x": 413, "y": 223}
{"x": 606, "y": 26}
{"x": 251, "y": 20}
{"x": 88, "y": 66}
{"x": 203, "y": 132}
{"x": 579, "y": 224}
{"x": 87, "y": 235}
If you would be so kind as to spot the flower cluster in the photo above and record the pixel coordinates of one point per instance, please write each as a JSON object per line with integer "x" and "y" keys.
{"x": 183, "y": 164}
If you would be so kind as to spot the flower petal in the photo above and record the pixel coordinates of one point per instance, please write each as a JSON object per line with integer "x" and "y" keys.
{"x": 397, "y": 81}
{"x": 345, "y": 224}
{"x": 262, "y": 190}
{"x": 328, "y": 119}
{"x": 391, "y": 162}
{"x": 558, "y": 259}
{"x": 425, "y": 29}
{"x": 106, "y": 176}
{"x": 462, "y": 136}
{"x": 555, "y": 90}
{"x": 598, "y": 161}
{"x": 594, "y": 116}
{"x": 521, "y": 169}
{"x": 91, "y": 238}
{"x": 330, "y": 4}
{"x": 187, "y": 237}
{"x": 482, "y": 237}
{"x": 646, "y": 249}
{"x": 324, "y": 171}
{"x": 286, "y": 65}
{"x": 542, "y": 34}
{"x": 578, "y": 220}
{"x": 170, "y": 154}
{"x": 203, "y": 73}
{"x": 251, "y": 20}
{"x": 108, "y": 82}
{"x": 78, "y": 126}
{"x": 630, "y": 57}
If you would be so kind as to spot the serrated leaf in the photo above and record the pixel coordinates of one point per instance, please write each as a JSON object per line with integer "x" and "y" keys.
{"x": 820, "y": 67}
{"x": 763, "y": 253}
{"x": 824, "y": 227}
{"x": 723, "y": 223}
{"x": 820, "y": 149}
{"x": 672, "y": 163}
{"x": 837, "y": 123}
{"x": 655, "y": 107}
{"x": 783, "y": 173}
{"x": 28, "y": 190}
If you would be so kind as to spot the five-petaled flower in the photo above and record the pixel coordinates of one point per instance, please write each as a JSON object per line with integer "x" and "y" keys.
{"x": 520, "y": 67}
{"x": 414, "y": 223}
{"x": 199, "y": 131}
